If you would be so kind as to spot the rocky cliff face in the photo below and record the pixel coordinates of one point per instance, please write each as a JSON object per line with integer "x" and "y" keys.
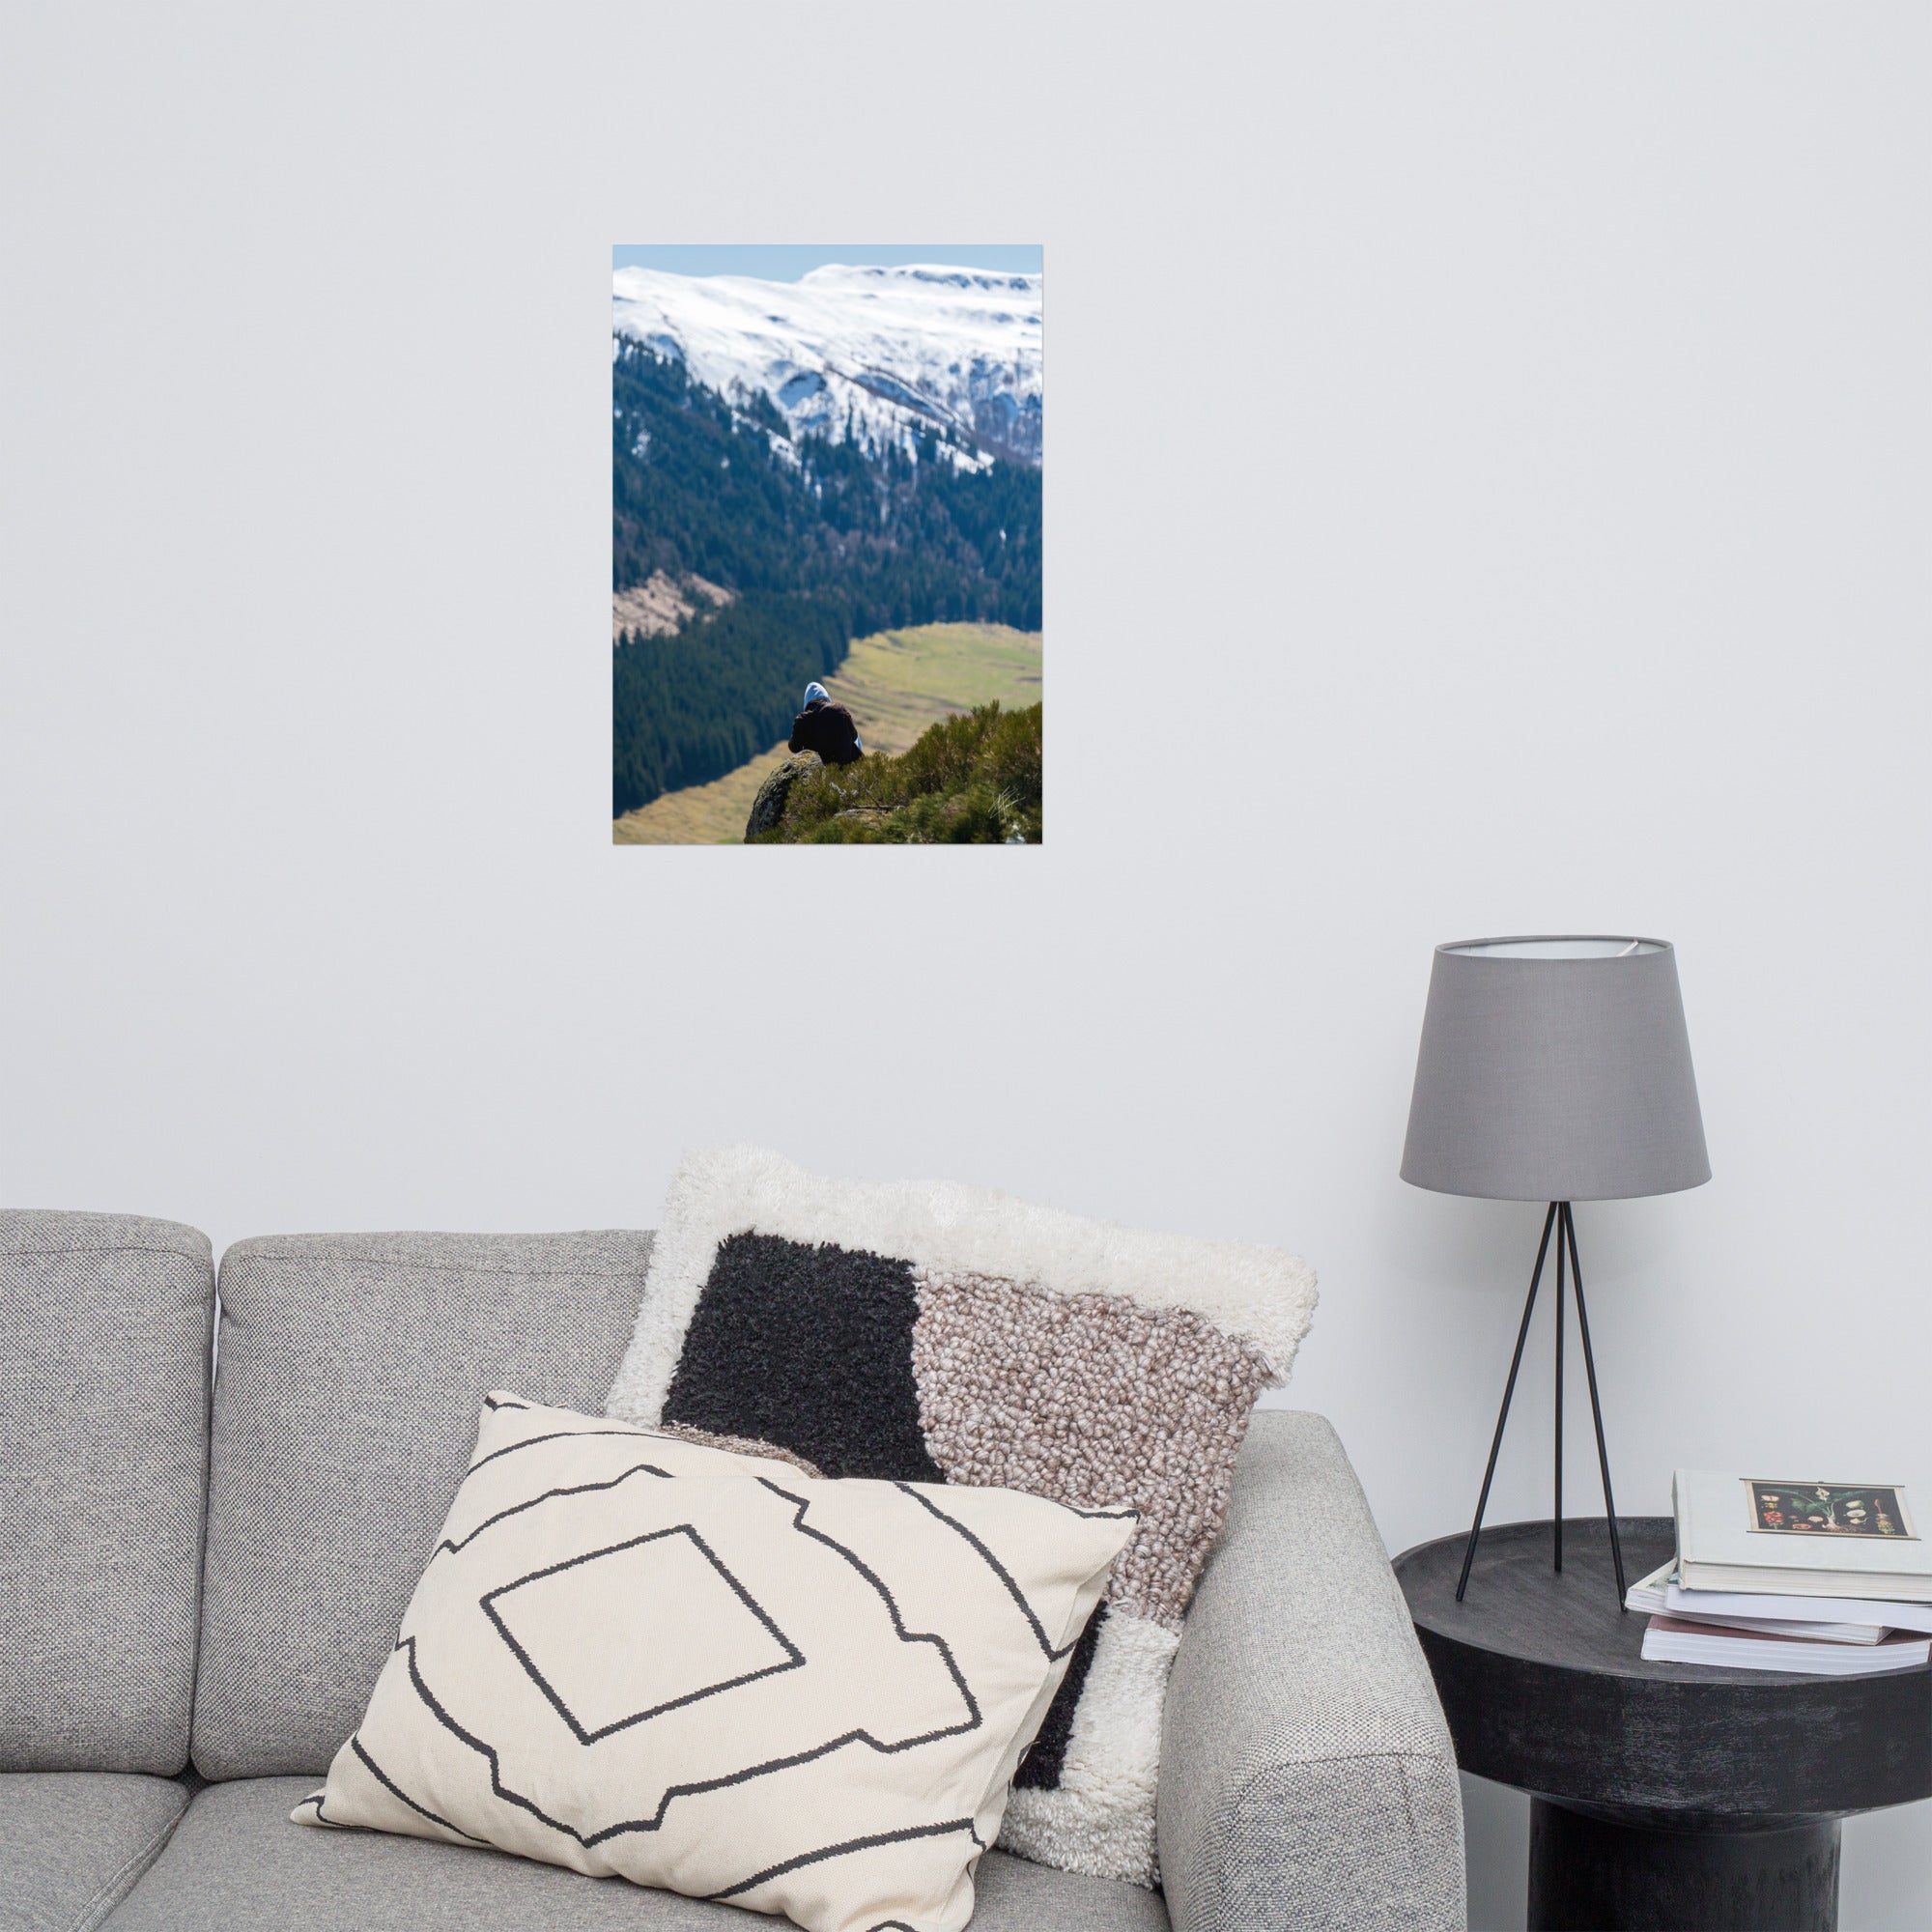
{"x": 768, "y": 808}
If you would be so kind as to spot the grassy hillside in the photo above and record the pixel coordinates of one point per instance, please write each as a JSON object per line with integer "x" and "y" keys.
{"x": 895, "y": 684}
{"x": 707, "y": 814}
{"x": 971, "y": 780}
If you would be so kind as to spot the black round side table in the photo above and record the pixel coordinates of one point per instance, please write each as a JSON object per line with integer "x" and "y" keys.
{"x": 1670, "y": 1796}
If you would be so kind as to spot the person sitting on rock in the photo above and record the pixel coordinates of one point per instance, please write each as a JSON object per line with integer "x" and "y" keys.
{"x": 825, "y": 728}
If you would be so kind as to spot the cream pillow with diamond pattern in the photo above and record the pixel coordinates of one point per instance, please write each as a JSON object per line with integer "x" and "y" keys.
{"x": 641, "y": 1655}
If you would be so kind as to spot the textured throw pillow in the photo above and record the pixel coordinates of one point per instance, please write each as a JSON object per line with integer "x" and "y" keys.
{"x": 925, "y": 1332}
{"x": 636, "y": 1655}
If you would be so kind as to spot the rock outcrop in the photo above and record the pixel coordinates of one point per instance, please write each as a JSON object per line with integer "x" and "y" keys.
{"x": 769, "y": 807}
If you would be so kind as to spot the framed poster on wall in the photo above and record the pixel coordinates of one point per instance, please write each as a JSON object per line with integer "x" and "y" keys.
{"x": 826, "y": 545}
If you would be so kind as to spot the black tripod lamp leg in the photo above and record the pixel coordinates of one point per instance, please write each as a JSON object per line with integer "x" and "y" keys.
{"x": 1557, "y": 1487}
{"x": 1509, "y": 1389}
{"x": 1596, "y": 1407}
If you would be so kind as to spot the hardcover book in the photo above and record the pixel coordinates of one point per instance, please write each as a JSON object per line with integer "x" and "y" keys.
{"x": 1806, "y": 1537}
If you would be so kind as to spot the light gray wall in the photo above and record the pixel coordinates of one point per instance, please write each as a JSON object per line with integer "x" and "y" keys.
{"x": 1487, "y": 492}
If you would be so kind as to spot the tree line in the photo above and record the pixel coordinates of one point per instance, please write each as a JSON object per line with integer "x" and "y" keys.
{"x": 677, "y": 722}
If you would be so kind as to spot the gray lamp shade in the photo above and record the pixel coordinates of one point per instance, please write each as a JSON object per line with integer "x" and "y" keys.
{"x": 1555, "y": 1069}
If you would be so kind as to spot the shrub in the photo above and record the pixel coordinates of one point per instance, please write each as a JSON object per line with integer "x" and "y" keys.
{"x": 969, "y": 781}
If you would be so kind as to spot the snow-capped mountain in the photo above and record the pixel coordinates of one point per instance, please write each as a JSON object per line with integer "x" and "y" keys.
{"x": 887, "y": 352}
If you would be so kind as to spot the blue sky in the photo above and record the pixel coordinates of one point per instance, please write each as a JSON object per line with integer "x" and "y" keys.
{"x": 786, "y": 262}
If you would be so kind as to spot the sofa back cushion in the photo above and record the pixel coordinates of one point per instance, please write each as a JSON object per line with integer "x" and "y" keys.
{"x": 104, "y": 1412}
{"x": 350, "y": 1371}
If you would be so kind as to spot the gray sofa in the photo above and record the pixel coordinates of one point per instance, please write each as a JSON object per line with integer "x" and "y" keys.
{"x": 201, "y": 1574}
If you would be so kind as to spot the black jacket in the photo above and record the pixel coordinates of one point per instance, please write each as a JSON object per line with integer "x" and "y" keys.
{"x": 826, "y": 728}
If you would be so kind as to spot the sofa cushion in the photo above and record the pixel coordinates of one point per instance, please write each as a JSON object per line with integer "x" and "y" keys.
{"x": 352, "y": 1368}
{"x": 103, "y": 1410}
{"x": 929, "y": 1332}
{"x": 236, "y": 1864}
{"x": 636, "y": 1654}
{"x": 72, "y": 1842}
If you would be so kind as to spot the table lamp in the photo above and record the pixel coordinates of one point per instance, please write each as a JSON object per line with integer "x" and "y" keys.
{"x": 1554, "y": 1069}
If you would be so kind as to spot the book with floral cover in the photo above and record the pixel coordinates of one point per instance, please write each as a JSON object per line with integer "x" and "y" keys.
{"x": 1804, "y": 1537}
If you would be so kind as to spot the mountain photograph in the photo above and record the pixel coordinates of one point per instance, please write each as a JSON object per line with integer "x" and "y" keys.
{"x": 826, "y": 546}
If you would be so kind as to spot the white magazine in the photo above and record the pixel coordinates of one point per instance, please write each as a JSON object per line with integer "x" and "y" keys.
{"x": 1837, "y": 1619}
{"x": 1668, "y": 1641}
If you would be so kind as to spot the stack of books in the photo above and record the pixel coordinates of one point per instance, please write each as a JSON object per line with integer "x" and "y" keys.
{"x": 1826, "y": 1578}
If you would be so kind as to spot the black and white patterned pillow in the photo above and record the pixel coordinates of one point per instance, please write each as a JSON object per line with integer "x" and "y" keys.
{"x": 927, "y": 1332}
{"x": 642, "y": 1656}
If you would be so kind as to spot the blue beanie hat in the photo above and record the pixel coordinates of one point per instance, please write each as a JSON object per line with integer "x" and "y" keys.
{"x": 815, "y": 689}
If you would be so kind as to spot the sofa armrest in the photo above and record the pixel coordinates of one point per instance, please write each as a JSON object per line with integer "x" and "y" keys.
{"x": 1307, "y": 1780}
